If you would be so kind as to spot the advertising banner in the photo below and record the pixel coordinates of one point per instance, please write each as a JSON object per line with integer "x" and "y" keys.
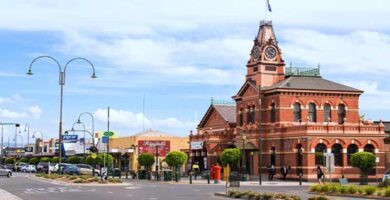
{"x": 149, "y": 146}
{"x": 69, "y": 138}
{"x": 196, "y": 145}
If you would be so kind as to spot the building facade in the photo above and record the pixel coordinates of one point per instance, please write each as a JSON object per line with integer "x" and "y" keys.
{"x": 302, "y": 117}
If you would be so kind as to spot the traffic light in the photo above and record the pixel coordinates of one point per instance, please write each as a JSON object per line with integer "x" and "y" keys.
{"x": 17, "y": 125}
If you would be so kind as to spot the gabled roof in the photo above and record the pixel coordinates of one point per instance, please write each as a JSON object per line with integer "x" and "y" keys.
{"x": 153, "y": 133}
{"x": 311, "y": 83}
{"x": 227, "y": 112}
{"x": 248, "y": 83}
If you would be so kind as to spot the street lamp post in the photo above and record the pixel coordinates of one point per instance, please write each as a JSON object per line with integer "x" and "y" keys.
{"x": 62, "y": 73}
{"x": 16, "y": 133}
{"x": 27, "y": 128}
{"x": 93, "y": 124}
{"x": 83, "y": 130}
{"x": 41, "y": 137}
{"x": 243, "y": 135}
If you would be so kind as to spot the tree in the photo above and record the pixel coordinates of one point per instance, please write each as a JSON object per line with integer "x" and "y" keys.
{"x": 45, "y": 159}
{"x": 33, "y": 161}
{"x": 101, "y": 160}
{"x": 9, "y": 161}
{"x": 146, "y": 160}
{"x": 230, "y": 156}
{"x": 364, "y": 161}
{"x": 74, "y": 160}
{"x": 24, "y": 160}
{"x": 55, "y": 160}
{"x": 176, "y": 159}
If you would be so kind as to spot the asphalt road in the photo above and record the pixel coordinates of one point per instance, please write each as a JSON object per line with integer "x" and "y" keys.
{"x": 26, "y": 187}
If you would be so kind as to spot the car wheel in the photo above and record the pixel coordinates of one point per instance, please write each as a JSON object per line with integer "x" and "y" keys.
{"x": 9, "y": 174}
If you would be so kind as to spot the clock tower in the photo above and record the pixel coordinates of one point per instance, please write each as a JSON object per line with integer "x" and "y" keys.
{"x": 265, "y": 66}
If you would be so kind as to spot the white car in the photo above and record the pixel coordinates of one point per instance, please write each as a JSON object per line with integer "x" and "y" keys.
{"x": 28, "y": 168}
{"x": 87, "y": 169}
{"x": 5, "y": 172}
{"x": 386, "y": 176}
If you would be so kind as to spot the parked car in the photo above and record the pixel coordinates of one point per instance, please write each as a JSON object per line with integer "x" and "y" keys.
{"x": 19, "y": 166}
{"x": 28, "y": 168}
{"x": 5, "y": 172}
{"x": 52, "y": 167}
{"x": 42, "y": 167}
{"x": 87, "y": 169}
{"x": 71, "y": 170}
{"x": 10, "y": 167}
{"x": 386, "y": 176}
{"x": 56, "y": 167}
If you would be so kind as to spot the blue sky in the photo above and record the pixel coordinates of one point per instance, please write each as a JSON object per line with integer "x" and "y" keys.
{"x": 178, "y": 54}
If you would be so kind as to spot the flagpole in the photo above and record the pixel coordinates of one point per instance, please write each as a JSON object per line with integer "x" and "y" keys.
{"x": 266, "y": 9}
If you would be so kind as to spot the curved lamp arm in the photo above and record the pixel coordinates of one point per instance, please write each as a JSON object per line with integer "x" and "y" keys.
{"x": 79, "y": 58}
{"x": 39, "y": 57}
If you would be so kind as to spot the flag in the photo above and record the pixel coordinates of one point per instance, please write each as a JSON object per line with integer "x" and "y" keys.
{"x": 269, "y": 6}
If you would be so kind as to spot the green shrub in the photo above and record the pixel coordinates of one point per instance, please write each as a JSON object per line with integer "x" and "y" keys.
{"x": 280, "y": 196}
{"x": 72, "y": 177}
{"x": 322, "y": 198}
{"x": 258, "y": 196}
{"x": 360, "y": 190}
{"x": 79, "y": 181}
{"x": 232, "y": 193}
{"x": 369, "y": 190}
{"x": 267, "y": 196}
{"x": 387, "y": 192}
{"x": 315, "y": 188}
{"x": 34, "y": 161}
{"x": 9, "y": 161}
{"x": 333, "y": 187}
{"x": 251, "y": 195}
{"x": 45, "y": 159}
{"x": 74, "y": 160}
{"x": 293, "y": 197}
{"x": 352, "y": 189}
{"x": 324, "y": 188}
{"x": 343, "y": 189}
{"x": 24, "y": 160}
{"x": 55, "y": 160}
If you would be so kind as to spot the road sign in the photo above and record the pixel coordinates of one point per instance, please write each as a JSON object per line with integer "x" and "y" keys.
{"x": 69, "y": 138}
{"x": 108, "y": 133}
{"x": 329, "y": 159}
{"x": 105, "y": 139}
{"x": 94, "y": 156}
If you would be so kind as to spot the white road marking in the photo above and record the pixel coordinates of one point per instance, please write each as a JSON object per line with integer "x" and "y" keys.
{"x": 132, "y": 188}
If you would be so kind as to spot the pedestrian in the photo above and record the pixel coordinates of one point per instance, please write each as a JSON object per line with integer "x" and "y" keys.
{"x": 195, "y": 169}
{"x": 284, "y": 171}
{"x": 271, "y": 172}
{"x": 320, "y": 174}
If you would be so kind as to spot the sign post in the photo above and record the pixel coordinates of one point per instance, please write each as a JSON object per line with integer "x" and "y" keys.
{"x": 329, "y": 158}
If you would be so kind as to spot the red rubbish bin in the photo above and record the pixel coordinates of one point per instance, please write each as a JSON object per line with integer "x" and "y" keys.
{"x": 212, "y": 172}
{"x": 217, "y": 173}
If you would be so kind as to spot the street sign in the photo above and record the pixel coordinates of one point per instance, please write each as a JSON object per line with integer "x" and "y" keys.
{"x": 94, "y": 155}
{"x": 329, "y": 159}
{"x": 69, "y": 138}
{"x": 105, "y": 139}
{"x": 28, "y": 149}
{"x": 108, "y": 133}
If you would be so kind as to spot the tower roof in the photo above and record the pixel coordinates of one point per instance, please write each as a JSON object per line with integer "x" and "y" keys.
{"x": 266, "y": 35}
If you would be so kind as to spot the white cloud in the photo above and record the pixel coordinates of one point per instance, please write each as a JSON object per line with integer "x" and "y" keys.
{"x": 35, "y": 111}
{"x": 130, "y": 121}
{"x": 5, "y": 113}
{"x": 358, "y": 52}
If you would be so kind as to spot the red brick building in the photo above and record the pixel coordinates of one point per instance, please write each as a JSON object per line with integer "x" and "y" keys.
{"x": 303, "y": 116}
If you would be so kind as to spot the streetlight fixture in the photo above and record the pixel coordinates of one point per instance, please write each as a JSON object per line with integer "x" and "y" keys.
{"x": 93, "y": 124}
{"x": 27, "y": 129}
{"x": 260, "y": 162}
{"x": 62, "y": 73}
{"x": 41, "y": 137}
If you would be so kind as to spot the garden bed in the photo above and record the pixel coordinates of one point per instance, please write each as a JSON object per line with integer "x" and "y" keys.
{"x": 251, "y": 195}
{"x": 369, "y": 192}
{"x": 77, "y": 179}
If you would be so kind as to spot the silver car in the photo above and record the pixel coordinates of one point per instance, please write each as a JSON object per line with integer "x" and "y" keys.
{"x": 5, "y": 172}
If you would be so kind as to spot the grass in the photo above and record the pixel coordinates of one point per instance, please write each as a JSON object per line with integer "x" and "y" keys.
{"x": 78, "y": 179}
{"x": 351, "y": 189}
{"x": 260, "y": 196}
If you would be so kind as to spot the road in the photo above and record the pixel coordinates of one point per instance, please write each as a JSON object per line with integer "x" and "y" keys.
{"x": 26, "y": 187}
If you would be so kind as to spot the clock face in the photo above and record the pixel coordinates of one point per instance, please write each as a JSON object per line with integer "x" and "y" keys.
{"x": 256, "y": 52}
{"x": 270, "y": 52}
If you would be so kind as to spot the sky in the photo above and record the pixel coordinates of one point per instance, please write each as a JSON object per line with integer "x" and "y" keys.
{"x": 174, "y": 56}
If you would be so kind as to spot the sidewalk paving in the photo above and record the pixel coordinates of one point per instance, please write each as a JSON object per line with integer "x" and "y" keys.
{"x": 4, "y": 195}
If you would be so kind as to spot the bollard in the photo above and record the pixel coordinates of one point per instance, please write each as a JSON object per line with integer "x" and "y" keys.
{"x": 190, "y": 178}
{"x": 127, "y": 174}
{"x": 208, "y": 179}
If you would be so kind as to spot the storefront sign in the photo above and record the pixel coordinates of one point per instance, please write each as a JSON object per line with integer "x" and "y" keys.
{"x": 196, "y": 145}
{"x": 28, "y": 149}
{"x": 149, "y": 146}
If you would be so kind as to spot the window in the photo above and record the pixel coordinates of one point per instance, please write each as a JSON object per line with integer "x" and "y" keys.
{"x": 327, "y": 113}
{"x": 312, "y": 112}
{"x": 352, "y": 148}
{"x": 341, "y": 113}
{"x": 252, "y": 115}
{"x": 297, "y": 112}
{"x": 241, "y": 117}
{"x": 319, "y": 154}
{"x": 273, "y": 156}
{"x": 270, "y": 68}
{"x": 369, "y": 148}
{"x": 273, "y": 113}
{"x": 337, "y": 151}
{"x": 248, "y": 115}
{"x": 255, "y": 69}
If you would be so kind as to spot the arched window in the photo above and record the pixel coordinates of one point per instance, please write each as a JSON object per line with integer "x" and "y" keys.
{"x": 341, "y": 113}
{"x": 241, "y": 117}
{"x": 273, "y": 156}
{"x": 297, "y": 112}
{"x": 248, "y": 115}
{"x": 352, "y": 148}
{"x": 337, "y": 151}
{"x": 327, "y": 113}
{"x": 273, "y": 113}
{"x": 312, "y": 112}
{"x": 319, "y": 154}
{"x": 369, "y": 148}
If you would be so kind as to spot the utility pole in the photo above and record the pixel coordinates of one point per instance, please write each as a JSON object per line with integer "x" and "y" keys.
{"x": 260, "y": 145}
{"x": 157, "y": 162}
{"x": 108, "y": 128}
